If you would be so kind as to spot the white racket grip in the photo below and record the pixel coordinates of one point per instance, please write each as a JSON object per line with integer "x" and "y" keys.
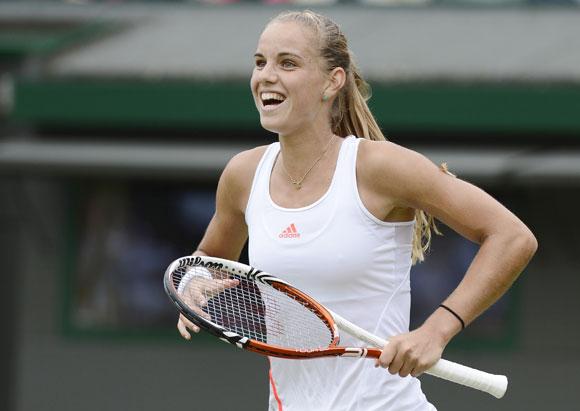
{"x": 495, "y": 385}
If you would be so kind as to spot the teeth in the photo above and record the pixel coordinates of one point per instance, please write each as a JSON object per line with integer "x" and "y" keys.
{"x": 272, "y": 96}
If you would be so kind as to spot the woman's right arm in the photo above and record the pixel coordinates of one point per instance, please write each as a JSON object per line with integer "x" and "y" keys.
{"x": 227, "y": 232}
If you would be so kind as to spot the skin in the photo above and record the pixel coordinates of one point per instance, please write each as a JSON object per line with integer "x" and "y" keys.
{"x": 287, "y": 62}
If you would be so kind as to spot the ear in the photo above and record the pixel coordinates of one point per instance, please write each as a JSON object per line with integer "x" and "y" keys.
{"x": 336, "y": 81}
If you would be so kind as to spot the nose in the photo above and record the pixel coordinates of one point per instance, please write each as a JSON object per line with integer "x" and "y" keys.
{"x": 268, "y": 74}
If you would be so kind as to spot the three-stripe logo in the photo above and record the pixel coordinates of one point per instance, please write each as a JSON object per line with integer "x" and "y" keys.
{"x": 290, "y": 232}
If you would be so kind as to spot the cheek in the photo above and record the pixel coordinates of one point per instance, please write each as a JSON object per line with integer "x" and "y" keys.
{"x": 253, "y": 85}
{"x": 312, "y": 91}
{"x": 253, "y": 82}
{"x": 310, "y": 101}
{"x": 253, "y": 78}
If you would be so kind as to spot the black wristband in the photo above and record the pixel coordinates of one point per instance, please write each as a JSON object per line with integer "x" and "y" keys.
{"x": 455, "y": 314}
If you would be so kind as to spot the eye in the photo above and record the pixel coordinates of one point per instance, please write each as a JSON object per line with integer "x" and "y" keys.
{"x": 260, "y": 63}
{"x": 288, "y": 64}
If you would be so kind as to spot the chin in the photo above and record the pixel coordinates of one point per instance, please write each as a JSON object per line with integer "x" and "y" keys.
{"x": 272, "y": 126}
{"x": 269, "y": 127}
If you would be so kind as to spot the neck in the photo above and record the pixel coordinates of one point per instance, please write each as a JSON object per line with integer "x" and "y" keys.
{"x": 299, "y": 151}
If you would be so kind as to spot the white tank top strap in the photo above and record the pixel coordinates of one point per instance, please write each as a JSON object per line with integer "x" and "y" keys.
{"x": 345, "y": 173}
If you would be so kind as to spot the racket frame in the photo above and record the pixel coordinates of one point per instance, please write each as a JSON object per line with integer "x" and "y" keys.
{"x": 495, "y": 385}
{"x": 241, "y": 270}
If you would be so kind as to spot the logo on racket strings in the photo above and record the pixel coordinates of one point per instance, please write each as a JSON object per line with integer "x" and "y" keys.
{"x": 290, "y": 232}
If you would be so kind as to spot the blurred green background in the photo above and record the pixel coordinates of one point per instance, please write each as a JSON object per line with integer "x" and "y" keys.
{"x": 116, "y": 118}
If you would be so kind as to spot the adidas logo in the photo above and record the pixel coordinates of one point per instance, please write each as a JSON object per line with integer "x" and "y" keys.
{"x": 290, "y": 232}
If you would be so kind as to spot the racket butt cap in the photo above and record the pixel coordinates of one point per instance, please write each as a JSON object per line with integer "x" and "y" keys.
{"x": 500, "y": 388}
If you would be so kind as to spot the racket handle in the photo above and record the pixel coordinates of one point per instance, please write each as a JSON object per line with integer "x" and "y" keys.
{"x": 495, "y": 385}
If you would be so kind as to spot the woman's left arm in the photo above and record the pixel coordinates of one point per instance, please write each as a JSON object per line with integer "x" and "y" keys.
{"x": 506, "y": 247}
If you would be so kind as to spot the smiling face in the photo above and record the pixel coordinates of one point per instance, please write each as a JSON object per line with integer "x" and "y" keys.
{"x": 288, "y": 81}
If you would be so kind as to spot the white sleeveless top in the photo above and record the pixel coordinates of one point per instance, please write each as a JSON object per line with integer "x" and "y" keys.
{"x": 355, "y": 264}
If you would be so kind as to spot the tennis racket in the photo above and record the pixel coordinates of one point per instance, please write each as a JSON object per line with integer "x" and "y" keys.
{"x": 254, "y": 310}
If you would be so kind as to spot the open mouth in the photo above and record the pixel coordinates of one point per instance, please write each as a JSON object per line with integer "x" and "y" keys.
{"x": 271, "y": 100}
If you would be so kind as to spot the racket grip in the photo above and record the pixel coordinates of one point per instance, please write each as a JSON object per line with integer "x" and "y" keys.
{"x": 495, "y": 385}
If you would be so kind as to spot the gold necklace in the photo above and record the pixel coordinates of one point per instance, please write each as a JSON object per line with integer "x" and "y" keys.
{"x": 298, "y": 183}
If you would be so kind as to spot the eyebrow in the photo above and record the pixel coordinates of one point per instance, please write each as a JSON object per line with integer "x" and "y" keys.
{"x": 282, "y": 54}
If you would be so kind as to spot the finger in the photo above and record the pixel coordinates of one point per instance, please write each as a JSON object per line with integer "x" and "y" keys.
{"x": 397, "y": 363}
{"x": 183, "y": 325}
{"x": 420, "y": 368}
{"x": 408, "y": 366}
{"x": 194, "y": 298}
{"x": 201, "y": 313}
{"x": 423, "y": 366}
{"x": 231, "y": 282}
{"x": 182, "y": 330}
{"x": 188, "y": 324}
{"x": 416, "y": 372}
{"x": 195, "y": 302}
{"x": 218, "y": 286}
{"x": 387, "y": 356}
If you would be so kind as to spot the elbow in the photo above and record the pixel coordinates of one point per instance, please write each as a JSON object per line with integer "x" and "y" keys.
{"x": 533, "y": 244}
{"x": 527, "y": 243}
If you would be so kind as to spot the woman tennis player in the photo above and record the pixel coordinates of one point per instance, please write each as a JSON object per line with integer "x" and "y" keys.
{"x": 341, "y": 214}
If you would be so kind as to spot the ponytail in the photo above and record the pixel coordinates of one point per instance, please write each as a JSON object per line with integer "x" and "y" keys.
{"x": 352, "y": 100}
{"x": 361, "y": 122}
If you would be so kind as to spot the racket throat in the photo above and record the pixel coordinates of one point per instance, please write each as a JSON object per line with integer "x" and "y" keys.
{"x": 357, "y": 352}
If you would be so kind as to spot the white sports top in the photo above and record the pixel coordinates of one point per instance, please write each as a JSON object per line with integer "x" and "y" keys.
{"x": 355, "y": 264}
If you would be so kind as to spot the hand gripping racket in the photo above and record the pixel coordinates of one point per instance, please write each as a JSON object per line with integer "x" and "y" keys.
{"x": 261, "y": 313}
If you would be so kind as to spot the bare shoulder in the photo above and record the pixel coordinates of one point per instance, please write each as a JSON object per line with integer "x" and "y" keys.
{"x": 397, "y": 172}
{"x": 242, "y": 166}
{"x": 409, "y": 179}
{"x": 381, "y": 156}
{"x": 236, "y": 179}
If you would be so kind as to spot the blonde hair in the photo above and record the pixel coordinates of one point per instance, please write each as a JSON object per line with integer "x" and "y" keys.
{"x": 350, "y": 113}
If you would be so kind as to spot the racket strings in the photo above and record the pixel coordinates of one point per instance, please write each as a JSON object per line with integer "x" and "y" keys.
{"x": 252, "y": 309}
